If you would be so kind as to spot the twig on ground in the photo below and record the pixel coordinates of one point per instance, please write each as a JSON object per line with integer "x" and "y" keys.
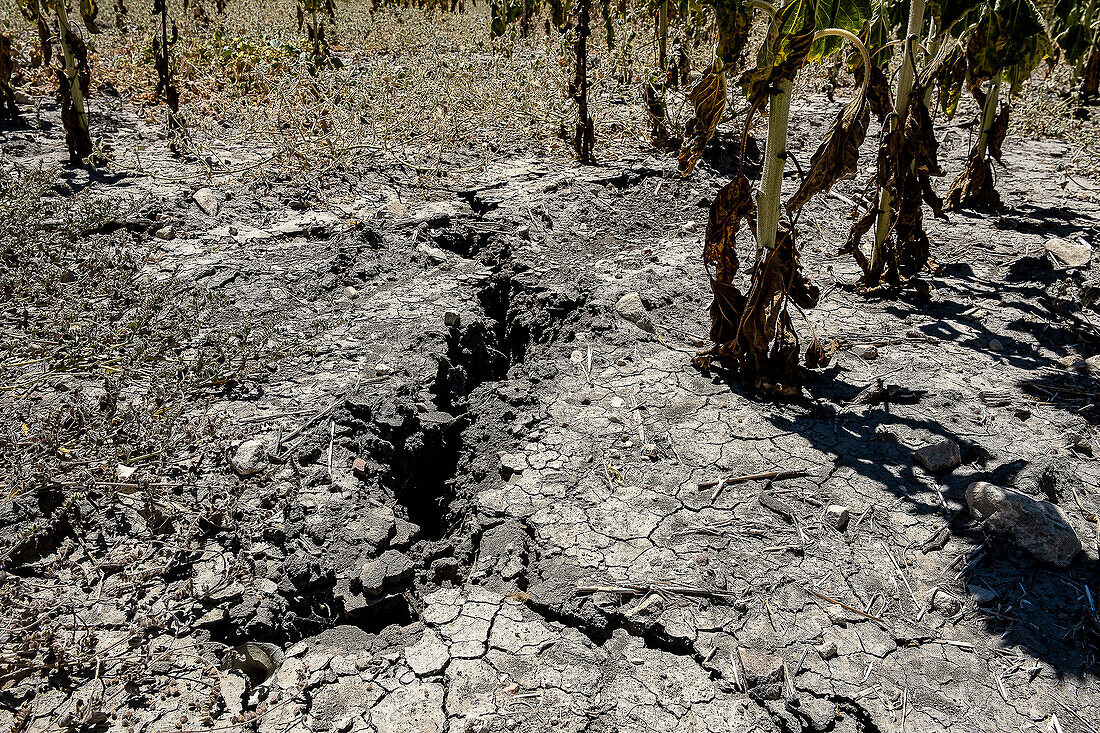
{"x": 658, "y": 587}
{"x": 893, "y": 560}
{"x": 843, "y": 605}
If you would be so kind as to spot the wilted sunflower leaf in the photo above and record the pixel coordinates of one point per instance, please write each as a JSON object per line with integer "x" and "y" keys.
{"x": 708, "y": 99}
{"x": 819, "y": 355}
{"x": 734, "y": 17}
{"x": 784, "y": 52}
{"x": 878, "y": 94}
{"x": 997, "y": 132}
{"x": 952, "y": 11}
{"x": 766, "y": 338}
{"x": 8, "y": 109}
{"x": 920, "y": 138}
{"x": 949, "y": 74}
{"x": 974, "y": 186}
{"x": 859, "y": 229}
{"x": 88, "y": 12}
{"x": 731, "y": 206}
{"x": 838, "y": 154}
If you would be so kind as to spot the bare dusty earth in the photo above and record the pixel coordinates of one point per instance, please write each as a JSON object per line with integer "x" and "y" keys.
{"x": 481, "y": 500}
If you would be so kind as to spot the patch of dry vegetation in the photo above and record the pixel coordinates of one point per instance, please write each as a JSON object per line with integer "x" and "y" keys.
{"x": 102, "y": 366}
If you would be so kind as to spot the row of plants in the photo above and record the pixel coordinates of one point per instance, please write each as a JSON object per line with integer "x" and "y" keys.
{"x": 62, "y": 41}
{"x": 946, "y": 48}
{"x": 935, "y": 51}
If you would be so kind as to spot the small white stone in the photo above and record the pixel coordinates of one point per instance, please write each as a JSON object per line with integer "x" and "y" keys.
{"x": 1069, "y": 254}
{"x": 838, "y": 516}
{"x": 208, "y": 201}
{"x": 383, "y": 369}
{"x": 630, "y": 308}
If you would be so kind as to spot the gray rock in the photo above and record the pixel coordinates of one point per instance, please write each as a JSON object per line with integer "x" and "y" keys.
{"x": 760, "y": 668}
{"x": 939, "y": 457}
{"x": 838, "y": 515}
{"x": 630, "y": 308}
{"x": 1079, "y": 437}
{"x": 1073, "y": 362}
{"x": 208, "y": 201}
{"x": 166, "y": 233}
{"x": 251, "y": 456}
{"x": 1036, "y": 526}
{"x": 821, "y": 713}
{"x": 452, "y": 319}
{"x": 870, "y": 353}
{"x": 435, "y": 255}
{"x": 1069, "y": 254}
{"x": 945, "y": 603}
{"x": 404, "y": 534}
{"x": 982, "y": 596}
{"x": 388, "y": 570}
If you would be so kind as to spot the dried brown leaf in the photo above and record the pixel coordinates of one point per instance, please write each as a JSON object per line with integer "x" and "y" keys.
{"x": 997, "y": 132}
{"x": 838, "y": 155}
{"x": 855, "y": 235}
{"x": 8, "y": 109}
{"x": 819, "y": 355}
{"x": 731, "y": 206}
{"x": 920, "y": 137}
{"x": 973, "y": 188}
{"x": 878, "y": 94}
{"x": 655, "y": 108}
{"x": 708, "y": 99}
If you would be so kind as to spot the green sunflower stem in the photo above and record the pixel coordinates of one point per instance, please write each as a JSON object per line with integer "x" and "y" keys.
{"x": 989, "y": 113}
{"x": 908, "y": 74}
{"x": 775, "y": 159}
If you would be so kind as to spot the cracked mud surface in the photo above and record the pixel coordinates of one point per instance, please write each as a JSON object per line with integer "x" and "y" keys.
{"x": 494, "y": 504}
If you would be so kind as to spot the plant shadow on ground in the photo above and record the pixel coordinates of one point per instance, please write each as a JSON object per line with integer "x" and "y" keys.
{"x": 1040, "y": 610}
{"x": 1046, "y": 610}
{"x": 724, "y": 156}
{"x": 1023, "y": 289}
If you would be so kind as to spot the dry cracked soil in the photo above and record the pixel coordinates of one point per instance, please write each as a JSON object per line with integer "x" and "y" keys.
{"x": 480, "y": 499}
